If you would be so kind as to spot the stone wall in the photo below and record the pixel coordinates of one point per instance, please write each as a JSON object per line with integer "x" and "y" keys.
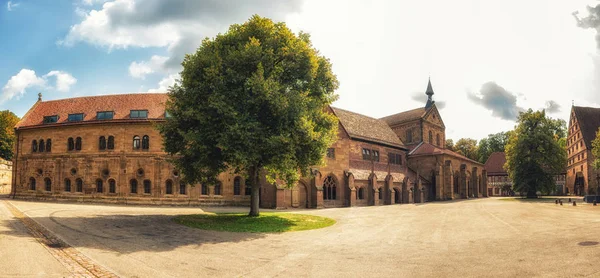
{"x": 5, "y": 176}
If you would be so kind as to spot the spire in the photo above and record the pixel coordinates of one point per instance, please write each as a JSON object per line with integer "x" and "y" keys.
{"x": 429, "y": 93}
{"x": 40, "y": 96}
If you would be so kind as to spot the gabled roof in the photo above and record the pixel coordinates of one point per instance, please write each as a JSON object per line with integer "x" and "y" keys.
{"x": 589, "y": 121}
{"x": 89, "y": 106}
{"x": 362, "y": 127}
{"x": 405, "y": 116}
{"x": 495, "y": 163}
{"x": 424, "y": 149}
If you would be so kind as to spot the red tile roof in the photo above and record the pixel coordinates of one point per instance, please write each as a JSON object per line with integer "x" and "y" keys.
{"x": 89, "y": 106}
{"x": 405, "y": 116}
{"x": 424, "y": 149}
{"x": 495, "y": 164}
{"x": 366, "y": 128}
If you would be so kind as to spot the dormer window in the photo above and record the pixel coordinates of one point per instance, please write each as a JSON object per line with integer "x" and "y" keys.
{"x": 105, "y": 115}
{"x": 75, "y": 117}
{"x": 167, "y": 114}
{"x": 138, "y": 114}
{"x": 50, "y": 119}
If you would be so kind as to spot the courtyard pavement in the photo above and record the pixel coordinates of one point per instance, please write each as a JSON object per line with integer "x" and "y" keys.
{"x": 482, "y": 237}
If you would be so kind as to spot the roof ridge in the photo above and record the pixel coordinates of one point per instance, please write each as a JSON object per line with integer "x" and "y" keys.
{"x": 355, "y": 113}
{"x": 98, "y": 96}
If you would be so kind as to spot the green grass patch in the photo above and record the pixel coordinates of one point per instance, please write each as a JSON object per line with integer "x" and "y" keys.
{"x": 267, "y": 222}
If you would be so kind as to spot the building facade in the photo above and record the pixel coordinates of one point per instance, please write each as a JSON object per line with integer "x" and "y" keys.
{"x": 582, "y": 178}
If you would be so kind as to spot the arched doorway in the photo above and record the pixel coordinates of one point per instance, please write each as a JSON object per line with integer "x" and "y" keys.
{"x": 432, "y": 187}
{"x": 302, "y": 195}
{"x": 397, "y": 197}
{"x": 579, "y": 184}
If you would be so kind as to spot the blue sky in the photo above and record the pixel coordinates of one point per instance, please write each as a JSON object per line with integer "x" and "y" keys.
{"x": 487, "y": 60}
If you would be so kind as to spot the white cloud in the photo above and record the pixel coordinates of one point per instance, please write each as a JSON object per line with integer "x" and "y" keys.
{"x": 64, "y": 80}
{"x": 141, "y": 69}
{"x": 165, "y": 83}
{"x": 10, "y": 5}
{"x": 16, "y": 85}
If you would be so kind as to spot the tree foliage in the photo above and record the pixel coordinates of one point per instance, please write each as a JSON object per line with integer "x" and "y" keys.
{"x": 253, "y": 100}
{"x": 466, "y": 147}
{"x": 596, "y": 150}
{"x": 449, "y": 144}
{"x": 493, "y": 143}
{"x": 8, "y": 120}
{"x": 534, "y": 154}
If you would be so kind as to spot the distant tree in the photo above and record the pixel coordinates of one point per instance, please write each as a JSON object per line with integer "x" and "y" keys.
{"x": 8, "y": 120}
{"x": 596, "y": 150}
{"x": 493, "y": 143}
{"x": 467, "y": 147}
{"x": 449, "y": 144}
{"x": 254, "y": 100}
{"x": 533, "y": 153}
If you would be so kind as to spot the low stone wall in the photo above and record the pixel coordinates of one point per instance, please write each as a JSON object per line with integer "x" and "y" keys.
{"x": 4, "y": 188}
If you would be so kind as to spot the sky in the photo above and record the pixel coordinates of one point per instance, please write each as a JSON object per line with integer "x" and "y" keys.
{"x": 487, "y": 60}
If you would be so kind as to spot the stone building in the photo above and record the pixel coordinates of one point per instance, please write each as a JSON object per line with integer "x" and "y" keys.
{"x": 581, "y": 175}
{"x": 5, "y": 176}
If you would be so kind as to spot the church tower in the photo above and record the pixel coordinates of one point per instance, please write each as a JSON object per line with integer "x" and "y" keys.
{"x": 429, "y": 93}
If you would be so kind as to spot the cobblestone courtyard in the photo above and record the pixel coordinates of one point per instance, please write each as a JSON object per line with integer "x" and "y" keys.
{"x": 484, "y": 237}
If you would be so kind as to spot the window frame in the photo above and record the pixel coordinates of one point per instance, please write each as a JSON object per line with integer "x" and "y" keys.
{"x": 102, "y": 115}
{"x": 331, "y": 153}
{"x": 77, "y": 117}
{"x": 137, "y": 142}
{"x": 50, "y": 119}
{"x": 237, "y": 186}
{"x": 147, "y": 186}
{"x": 366, "y": 154}
{"x": 102, "y": 143}
{"x": 78, "y": 144}
{"x": 137, "y": 114}
{"x": 110, "y": 144}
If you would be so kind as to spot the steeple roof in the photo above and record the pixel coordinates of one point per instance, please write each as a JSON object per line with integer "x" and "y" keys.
{"x": 429, "y": 93}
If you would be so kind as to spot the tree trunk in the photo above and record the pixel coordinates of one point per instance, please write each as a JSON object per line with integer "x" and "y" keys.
{"x": 255, "y": 196}
{"x": 531, "y": 194}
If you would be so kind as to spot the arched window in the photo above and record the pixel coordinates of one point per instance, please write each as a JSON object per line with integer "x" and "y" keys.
{"x": 67, "y": 185}
{"x": 248, "y": 187}
{"x": 70, "y": 144}
{"x": 169, "y": 187}
{"x": 430, "y": 137}
{"x": 32, "y": 183}
{"x": 329, "y": 188}
{"x": 380, "y": 193}
{"x": 133, "y": 186}
{"x": 145, "y": 142}
{"x": 361, "y": 194}
{"x": 49, "y": 145}
{"x": 237, "y": 185}
{"x": 111, "y": 142}
{"x": 217, "y": 188}
{"x": 182, "y": 188}
{"x": 136, "y": 142}
{"x": 34, "y": 146}
{"x": 437, "y": 140}
{"x": 204, "y": 189}
{"x": 48, "y": 184}
{"x": 147, "y": 186}
{"x": 102, "y": 143}
{"x": 112, "y": 186}
{"x": 79, "y": 185}
{"x": 99, "y": 186}
{"x": 409, "y": 136}
{"x": 78, "y": 143}
{"x": 42, "y": 147}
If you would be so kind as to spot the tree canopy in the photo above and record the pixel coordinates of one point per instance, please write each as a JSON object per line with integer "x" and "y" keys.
{"x": 466, "y": 147}
{"x": 596, "y": 150}
{"x": 534, "y": 154}
{"x": 8, "y": 120}
{"x": 253, "y": 100}
{"x": 493, "y": 143}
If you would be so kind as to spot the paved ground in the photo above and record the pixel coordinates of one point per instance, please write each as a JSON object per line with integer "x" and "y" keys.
{"x": 485, "y": 237}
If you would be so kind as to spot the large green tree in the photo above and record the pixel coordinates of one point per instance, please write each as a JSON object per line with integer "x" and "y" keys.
{"x": 596, "y": 151}
{"x": 466, "y": 147}
{"x": 8, "y": 120}
{"x": 253, "y": 100}
{"x": 493, "y": 143}
{"x": 534, "y": 154}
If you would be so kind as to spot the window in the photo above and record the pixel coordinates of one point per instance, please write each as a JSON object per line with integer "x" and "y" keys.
{"x": 145, "y": 142}
{"x": 78, "y": 143}
{"x": 380, "y": 193}
{"x": 395, "y": 158}
{"x": 105, "y": 115}
{"x": 79, "y": 185}
{"x": 237, "y": 186}
{"x": 182, "y": 188}
{"x": 437, "y": 140}
{"x": 34, "y": 146}
{"x": 430, "y": 137}
{"x": 169, "y": 187}
{"x": 67, "y": 185}
{"x": 70, "y": 144}
{"x": 136, "y": 142}
{"x": 49, "y": 145}
{"x": 409, "y": 136}
{"x": 99, "y": 186}
{"x": 111, "y": 143}
{"x": 50, "y": 119}
{"x": 42, "y": 146}
{"x": 102, "y": 143}
{"x": 248, "y": 187}
{"x": 217, "y": 188}
{"x": 133, "y": 186}
{"x": 112, "y": 186}
{"x": 366, "y": 154}
{"x": 204, "y": 189}
{"x": 48, "y": 184}
{"x": 75, "y": 117}
{"x": 31, "y": 183}
{"x": 147, "y": 185}
{"x": 138, "y": 114}
{"x": 331, "y": 153}
{"x": 375, "y": 155}
{"x": 329, "y": 188}
{"x": 361, "y": 193}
